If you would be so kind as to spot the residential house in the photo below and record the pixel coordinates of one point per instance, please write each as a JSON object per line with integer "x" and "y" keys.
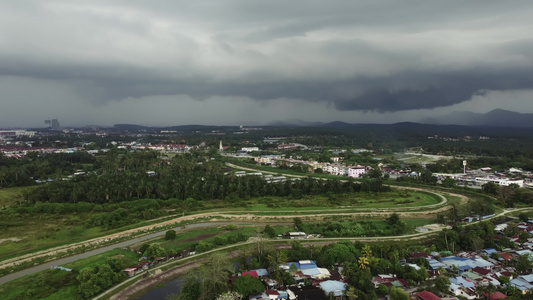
{"x": 337, "y": 288}
{"x": 272, "y": 294}
{"x": 356, "y": 171}
{"x": 495, "y": 296}
{"x": 523, "y": 283}
{"x": 425, "y": 295}
{"x": 458, "y": 290}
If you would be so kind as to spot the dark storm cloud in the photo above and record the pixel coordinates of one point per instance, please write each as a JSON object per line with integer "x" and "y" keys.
{"x": 358, "y": 55}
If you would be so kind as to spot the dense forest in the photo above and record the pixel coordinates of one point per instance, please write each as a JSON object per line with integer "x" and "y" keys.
{"x": 137, "y": 175}
{"x": 121, "y": 187}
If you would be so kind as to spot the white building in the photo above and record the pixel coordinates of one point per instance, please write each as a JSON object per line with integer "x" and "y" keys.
{"x": 500, "y": 181}
{"x": 335, "y": 169}
{"x": 267, "y": 159}
{"x": 356, "y": 171}
{"x": 250, "y": 149}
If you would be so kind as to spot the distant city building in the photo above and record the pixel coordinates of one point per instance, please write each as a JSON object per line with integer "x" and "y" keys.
{"x": 52, "y": 124}
{"x": 55, "y": 124}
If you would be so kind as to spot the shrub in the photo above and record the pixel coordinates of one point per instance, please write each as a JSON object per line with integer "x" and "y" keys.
{"x": 170, "y": 235}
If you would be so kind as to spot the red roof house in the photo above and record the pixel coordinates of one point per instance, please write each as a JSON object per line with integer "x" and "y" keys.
{"x": 425, "y": 295}
{"x": 251, "y": 273}
{"x": 495, "y": 296}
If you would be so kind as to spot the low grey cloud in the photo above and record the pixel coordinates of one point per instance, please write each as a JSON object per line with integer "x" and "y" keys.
{"x": 380, "y": 56}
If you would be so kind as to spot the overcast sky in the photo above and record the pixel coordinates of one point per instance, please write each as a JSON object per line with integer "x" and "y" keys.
{"x": 231, "y": 62}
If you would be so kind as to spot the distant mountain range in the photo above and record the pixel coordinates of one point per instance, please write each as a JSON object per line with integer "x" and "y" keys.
{"x": 495, "y": 118}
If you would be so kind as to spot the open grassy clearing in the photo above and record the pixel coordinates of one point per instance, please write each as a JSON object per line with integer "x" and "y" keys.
{"x": 356, "y": 201}
{"x": 127, "y": 257}
{"x": 27, "y": 234}
{"x": 50, "y": 284}
{"x": 219, "y": 236}
{"x": 57, "y": 284}
{"x": 12, "y": 196}
{"x": 23, "y": 234}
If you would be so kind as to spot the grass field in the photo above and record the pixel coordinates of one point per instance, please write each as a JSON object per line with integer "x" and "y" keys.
{"x": 128, "y": 257}
{"x": 24, "y": 234}
{"x": 209, "y": 235}
{"x": 316, "y": 204}
{"x": 50, "y": 284}
{"x": 41, "y": 231}
{"x": 57, "y": 284}
{"x": 12, "y": 196}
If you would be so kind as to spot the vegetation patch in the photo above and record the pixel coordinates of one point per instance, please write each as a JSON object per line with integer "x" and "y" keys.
{"x": 59, "y": 284}
{"x": 13, "y": 196}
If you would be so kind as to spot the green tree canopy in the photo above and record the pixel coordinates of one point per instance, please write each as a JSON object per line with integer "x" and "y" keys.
{"x": 170, "y": 235}
{"x": 247, "y": 286}
{"x": 155, "y": 250}
{"x": 269, "y": 231}
{"x": 398, "y": 294}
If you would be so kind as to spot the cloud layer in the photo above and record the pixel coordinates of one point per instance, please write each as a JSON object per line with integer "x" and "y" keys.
{"x": 354, "y": 56}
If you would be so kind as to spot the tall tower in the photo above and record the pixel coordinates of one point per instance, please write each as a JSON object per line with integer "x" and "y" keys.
{"x": 220, "y": 148}
{"x": 55, "y": 124}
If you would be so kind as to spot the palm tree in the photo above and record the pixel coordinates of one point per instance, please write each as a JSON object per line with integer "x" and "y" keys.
{"x": 350, "y": 292}
{"x": 363, "y": 262}
{"x": 367, "y": 251}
